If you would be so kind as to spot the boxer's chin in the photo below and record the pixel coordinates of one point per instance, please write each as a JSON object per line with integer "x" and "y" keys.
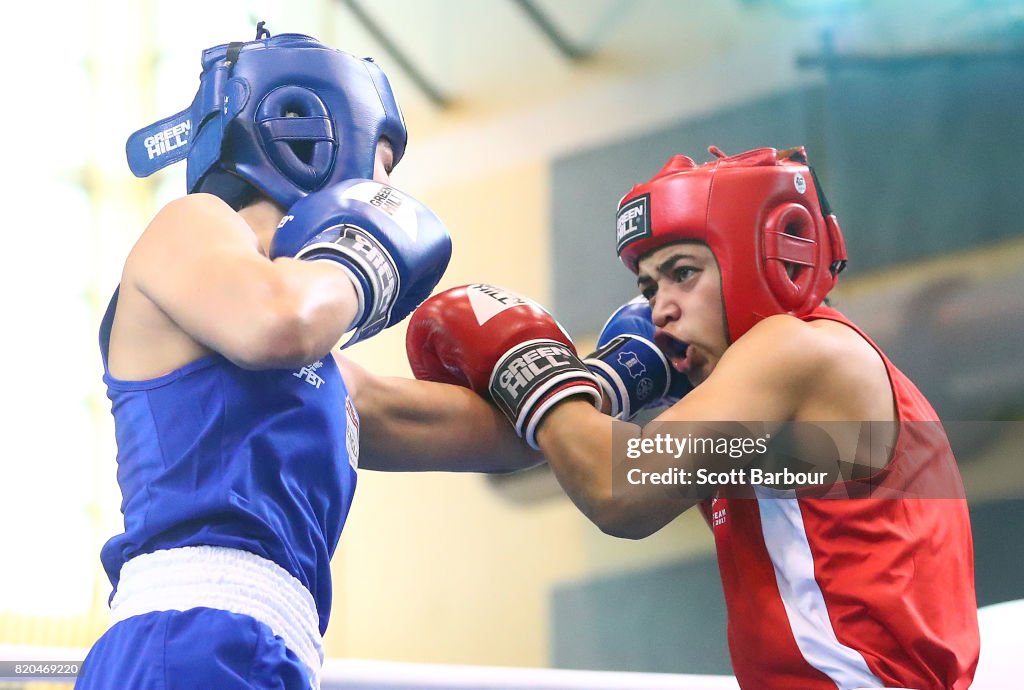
{"x": 698, "y": 366}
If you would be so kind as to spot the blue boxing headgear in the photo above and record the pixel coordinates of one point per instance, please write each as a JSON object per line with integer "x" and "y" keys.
{"x": 285, "y": 115}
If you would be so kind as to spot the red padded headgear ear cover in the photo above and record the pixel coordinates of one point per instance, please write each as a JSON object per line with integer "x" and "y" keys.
{"x": 760, "y": 212}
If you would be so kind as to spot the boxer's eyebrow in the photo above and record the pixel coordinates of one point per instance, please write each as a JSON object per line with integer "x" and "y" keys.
{"x": 666, "y": 266}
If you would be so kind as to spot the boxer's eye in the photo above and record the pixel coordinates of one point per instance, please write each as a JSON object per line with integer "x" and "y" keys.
{"x": 683, "y": 273}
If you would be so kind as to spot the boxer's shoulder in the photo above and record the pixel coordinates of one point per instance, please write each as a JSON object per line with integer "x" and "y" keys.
{"x": 844, "y": 375}
{"x": 782, "y": 345}
{"x": 826, "y": 368}
{"x": 190, "y": 223}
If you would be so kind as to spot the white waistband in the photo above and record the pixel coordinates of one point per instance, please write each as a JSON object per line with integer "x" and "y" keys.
{"x": 227, "y": 579}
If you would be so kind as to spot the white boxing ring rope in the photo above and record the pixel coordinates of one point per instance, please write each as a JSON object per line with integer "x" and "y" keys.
{"x": 1001, "y": 664}
{"x": 340, "y": 674}
{"x": 357, "y": 674}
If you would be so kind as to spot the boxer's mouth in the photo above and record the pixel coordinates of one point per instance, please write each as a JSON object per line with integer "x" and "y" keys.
{"x": 682, "y": 364}
{"x": 678, "y": 352}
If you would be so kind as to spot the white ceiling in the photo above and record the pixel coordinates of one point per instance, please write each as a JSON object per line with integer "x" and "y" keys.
{"x": 489, "y": 56}
{"x": 513, "y": 95}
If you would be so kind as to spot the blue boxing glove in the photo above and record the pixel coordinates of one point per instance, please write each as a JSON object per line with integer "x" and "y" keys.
{"x": 394, "y": 248}
{"x": 634, "y": 373}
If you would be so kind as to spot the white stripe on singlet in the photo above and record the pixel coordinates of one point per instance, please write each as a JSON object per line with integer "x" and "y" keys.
{"x": 786, "y": 540}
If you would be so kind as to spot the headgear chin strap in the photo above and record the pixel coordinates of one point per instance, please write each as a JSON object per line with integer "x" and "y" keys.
{"x": 778, "y": 246}
{"x": 284, "y": 114}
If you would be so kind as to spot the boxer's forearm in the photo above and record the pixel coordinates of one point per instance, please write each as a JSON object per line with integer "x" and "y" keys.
{"x": 577, "y": 441}
{"x": 585, "y": 450}
{"x": 409, "y": 425}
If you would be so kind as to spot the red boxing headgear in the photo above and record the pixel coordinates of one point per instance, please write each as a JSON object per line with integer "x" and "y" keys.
{"x": 779, "y": 248}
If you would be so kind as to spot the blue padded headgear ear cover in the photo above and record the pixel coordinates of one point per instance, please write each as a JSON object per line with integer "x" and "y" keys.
{"x": 286, "y": 115}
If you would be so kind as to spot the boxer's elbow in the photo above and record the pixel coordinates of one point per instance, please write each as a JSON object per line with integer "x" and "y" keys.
{"x": 629, "y": 513}
{"x": 284, "y": 335}
{"x": 611, "y": 507}
{"x": 616, "y": 518}
{"x": 289, "y": 341}
{"x": 272, "y": 344}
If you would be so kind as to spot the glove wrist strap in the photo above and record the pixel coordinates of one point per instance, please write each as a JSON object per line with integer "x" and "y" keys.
{"x": 374, "y": 272}
{"x": 633, "y": 372}
{"x": 530, "y": 378}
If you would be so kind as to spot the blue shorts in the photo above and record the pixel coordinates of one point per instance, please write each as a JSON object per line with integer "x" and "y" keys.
{"x": 189, "y": 650}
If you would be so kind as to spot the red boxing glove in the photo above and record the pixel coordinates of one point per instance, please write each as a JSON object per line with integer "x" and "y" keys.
{"x": 502, "y": 346}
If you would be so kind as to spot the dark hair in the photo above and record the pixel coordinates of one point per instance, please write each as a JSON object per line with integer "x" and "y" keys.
{"x": 246, "y": 195}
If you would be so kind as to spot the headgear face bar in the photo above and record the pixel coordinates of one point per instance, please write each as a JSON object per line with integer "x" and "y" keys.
{"x": 285, "y": 115}
{"x": 778, "y": 246}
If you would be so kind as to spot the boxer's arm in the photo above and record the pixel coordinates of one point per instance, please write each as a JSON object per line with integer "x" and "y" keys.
{"x": 761, "y": 381}
{"x": 410, "y": 425}
{"x": 200, "y": 264}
